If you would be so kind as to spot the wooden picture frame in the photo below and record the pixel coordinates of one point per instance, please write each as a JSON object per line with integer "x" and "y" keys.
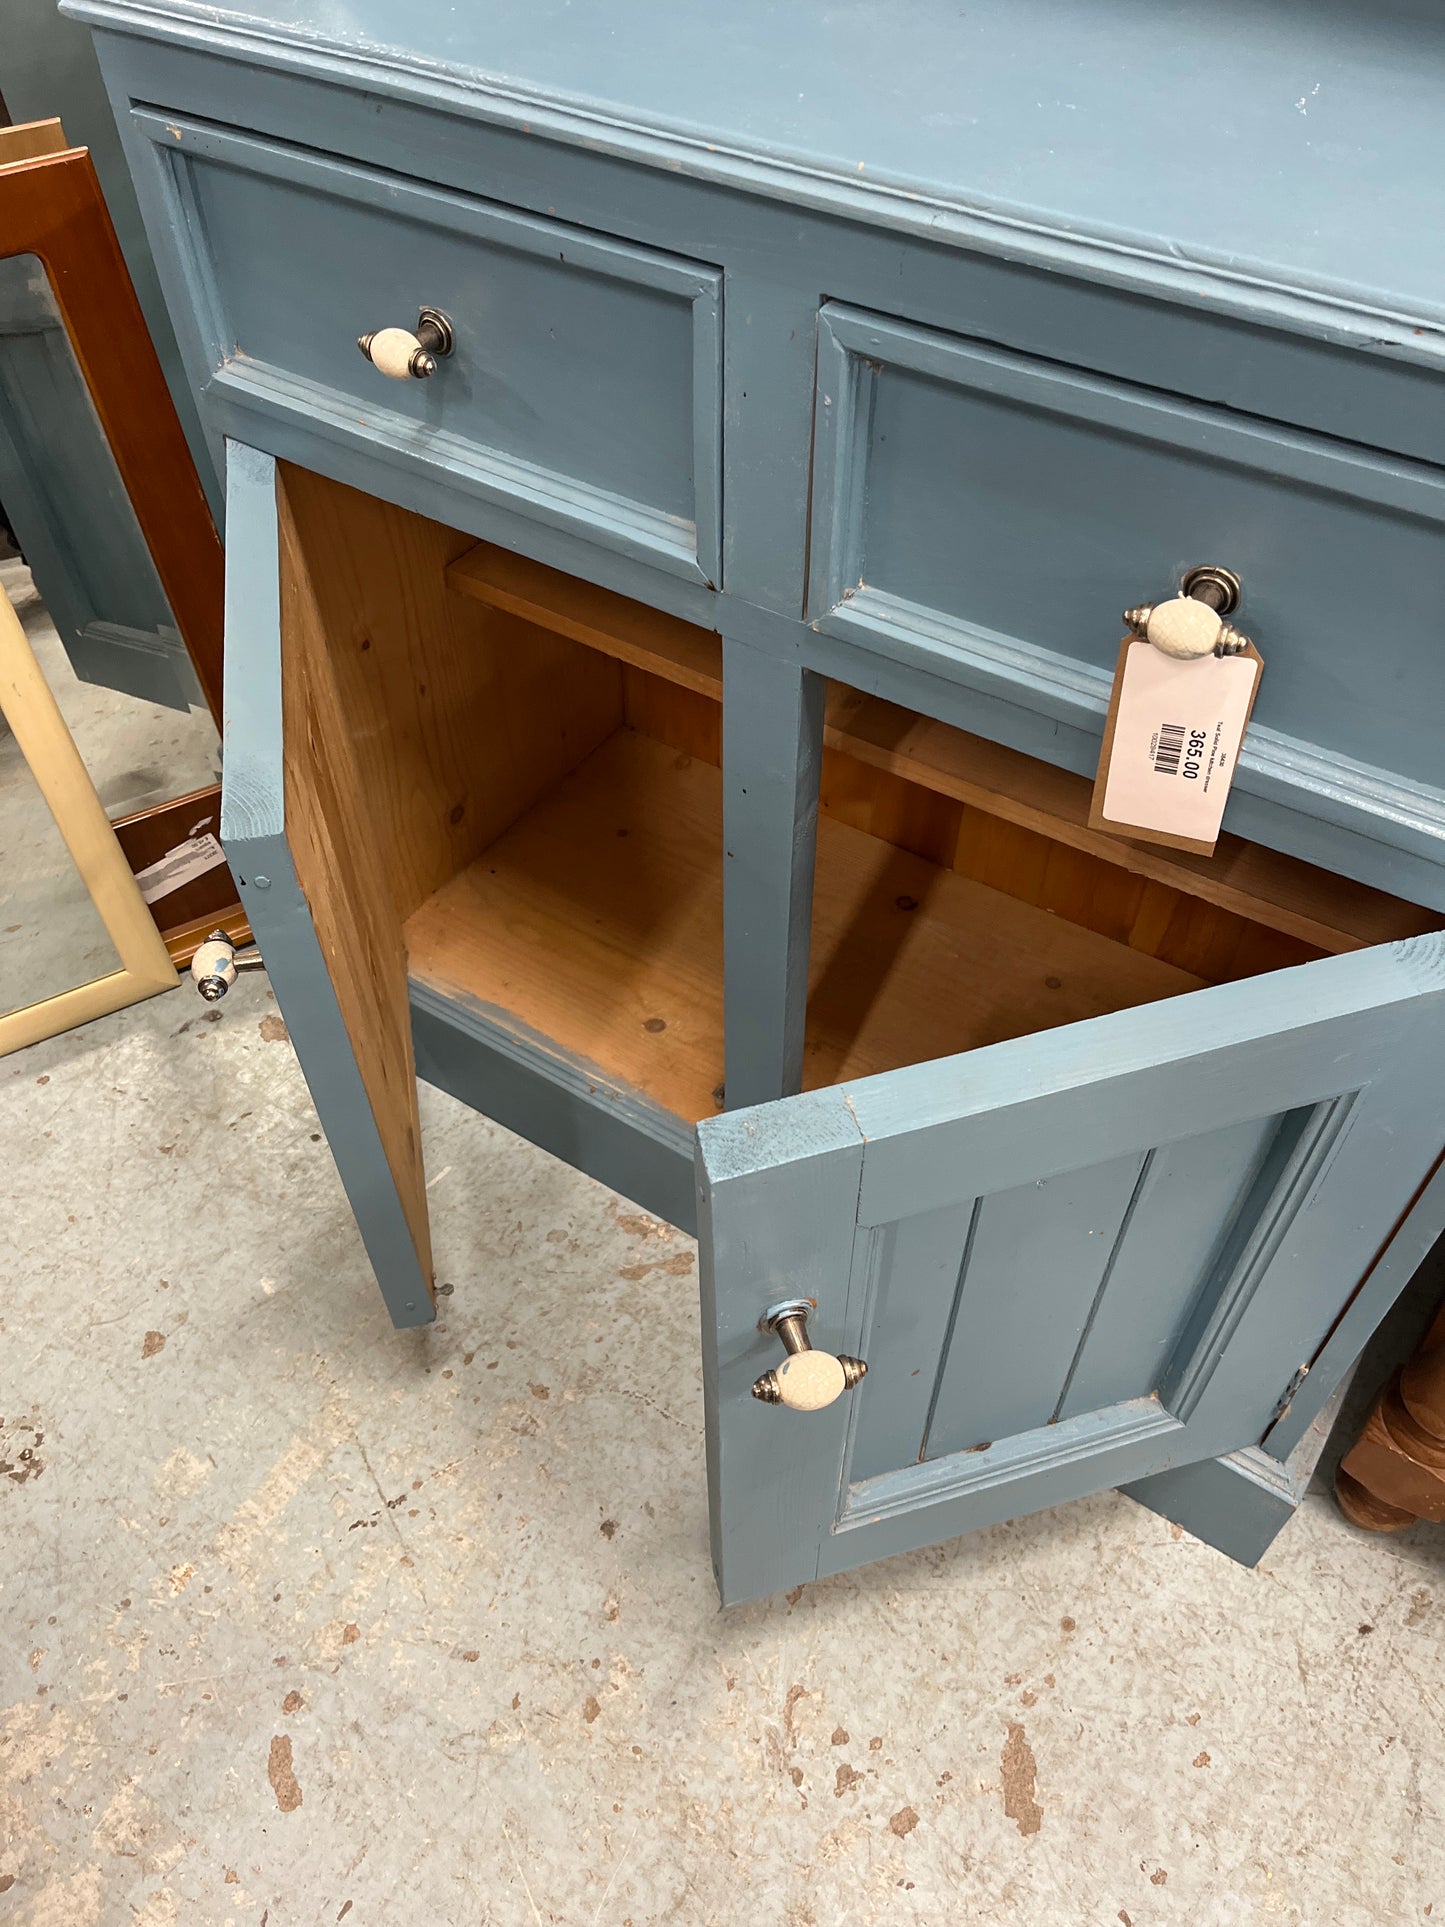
{"x": 32, "y": 712}
{"x": 52, "y": 207}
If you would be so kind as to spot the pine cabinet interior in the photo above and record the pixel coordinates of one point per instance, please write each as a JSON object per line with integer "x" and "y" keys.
{"x": 533, "y": 766}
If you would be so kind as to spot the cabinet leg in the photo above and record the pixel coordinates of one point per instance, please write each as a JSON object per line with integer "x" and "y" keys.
{"x": 1363, "y": 1509}
{"x": 772, "y": 758}
{"x": 1395, "y": 1472}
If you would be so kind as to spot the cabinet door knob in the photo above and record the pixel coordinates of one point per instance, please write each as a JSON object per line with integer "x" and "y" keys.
{"x": 215, "y": 963}
{"x": 1192, "y": 623}
{"x": 405, "y": 356}
{"x": 807, "y": 1380}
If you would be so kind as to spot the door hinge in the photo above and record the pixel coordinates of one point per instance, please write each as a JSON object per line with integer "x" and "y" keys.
{"x": 1287, "y": 1396}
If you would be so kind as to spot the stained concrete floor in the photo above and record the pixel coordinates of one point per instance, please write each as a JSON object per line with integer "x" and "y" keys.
{"x": 306, "y": 1621}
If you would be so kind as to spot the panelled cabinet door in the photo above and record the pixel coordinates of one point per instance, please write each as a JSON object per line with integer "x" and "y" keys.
{"x": 66, "y": 503}
{"x": 1070, "y": 1260}
{"x": 300, "y": 840}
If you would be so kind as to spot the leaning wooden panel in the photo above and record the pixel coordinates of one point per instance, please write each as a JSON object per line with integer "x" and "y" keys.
{"x": 51, "y": 206}
{"x": 30, "y": 708}
{"x": 301, "y": 842}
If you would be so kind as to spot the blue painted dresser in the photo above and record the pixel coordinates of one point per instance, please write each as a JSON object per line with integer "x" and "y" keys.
{"x": 685, "y": 469}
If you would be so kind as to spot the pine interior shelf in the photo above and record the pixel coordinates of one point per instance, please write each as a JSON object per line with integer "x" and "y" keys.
{"x": 537, "y": 762}
{"x": 1328, "y": 912}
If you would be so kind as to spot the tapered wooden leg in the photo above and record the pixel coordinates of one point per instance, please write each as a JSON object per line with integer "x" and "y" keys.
{"x": 1395, "y": 1473}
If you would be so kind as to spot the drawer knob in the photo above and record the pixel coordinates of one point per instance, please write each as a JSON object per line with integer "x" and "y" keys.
{"x": 807, "y": 1380}
{"x": 215, "y": 963}
{"x": 1192, "y": 623}
{"x": 410, "y": 357}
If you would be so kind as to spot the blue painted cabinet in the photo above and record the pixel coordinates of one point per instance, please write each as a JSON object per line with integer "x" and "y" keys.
{"x": 661, "y": 714}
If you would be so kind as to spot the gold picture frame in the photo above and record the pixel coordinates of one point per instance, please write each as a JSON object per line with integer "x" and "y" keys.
{"x": 30, "y": 708}
{"x": 51, "y": 206}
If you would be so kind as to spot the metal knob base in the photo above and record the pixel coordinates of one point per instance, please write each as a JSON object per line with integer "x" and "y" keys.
{"x": 808, "y": 1379}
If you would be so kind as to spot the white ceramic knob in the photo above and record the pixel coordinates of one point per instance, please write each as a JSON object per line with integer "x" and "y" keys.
{"x": 806, "y": 1380}
{"x": 398, "y": 354}
{"x": 1184, "y": 627}
{"x": 213, "y": 968}
{"x": 810, "y": 1380}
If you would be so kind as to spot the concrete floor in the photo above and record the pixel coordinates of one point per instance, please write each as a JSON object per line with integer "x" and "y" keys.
{"x": 309, "y": 1621}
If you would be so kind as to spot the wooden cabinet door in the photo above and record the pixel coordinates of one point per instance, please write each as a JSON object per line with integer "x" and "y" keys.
{"x": 300, "y": 838}
{"x": 1070, "y": 1260}
{"x": 66, "y": 503}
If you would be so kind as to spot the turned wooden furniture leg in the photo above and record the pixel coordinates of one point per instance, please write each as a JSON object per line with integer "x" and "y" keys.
{"x": 1395, "y": 1473}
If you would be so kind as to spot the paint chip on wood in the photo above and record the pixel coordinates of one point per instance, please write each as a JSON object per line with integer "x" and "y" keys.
{"x": 281, "y": 1775}
{"x": 1020, "y": 1781}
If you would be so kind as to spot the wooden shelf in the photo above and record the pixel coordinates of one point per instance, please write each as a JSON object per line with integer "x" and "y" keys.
{"x": 1331, "y": 912}
{"x": 1316, "y": 907}
{"x": 596, "y": 923}
{"x": 647, "y": 638}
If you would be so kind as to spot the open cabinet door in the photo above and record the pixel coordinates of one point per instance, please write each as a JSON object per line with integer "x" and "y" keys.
{"x": 298, "y": 830}
{"x": 1070, "y": 1260}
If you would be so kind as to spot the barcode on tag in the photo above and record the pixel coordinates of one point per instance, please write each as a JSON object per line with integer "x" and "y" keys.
{"x": 1169, "y": 748}
{"x": 1195, "y": 758}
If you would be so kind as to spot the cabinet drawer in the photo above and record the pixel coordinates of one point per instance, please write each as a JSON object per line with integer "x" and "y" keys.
{"x": 987, "y": 516}
{"x": 582, "y": 390}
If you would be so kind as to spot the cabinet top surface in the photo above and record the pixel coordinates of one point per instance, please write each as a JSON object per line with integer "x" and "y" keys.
{"x": 1290, "y": 141}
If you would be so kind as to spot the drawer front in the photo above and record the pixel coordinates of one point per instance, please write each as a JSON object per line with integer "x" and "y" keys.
{"x": 987, "y": 516}
{"x": 583, "y": 390}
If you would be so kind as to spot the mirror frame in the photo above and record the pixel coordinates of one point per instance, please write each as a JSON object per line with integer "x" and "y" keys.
{"x": 51, "y": 206}
{"x": 55, "y": 763}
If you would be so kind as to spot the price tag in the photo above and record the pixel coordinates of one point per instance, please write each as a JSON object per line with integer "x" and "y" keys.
{"x": 1171, "y": 744}
{"x": 180, "y": 865}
